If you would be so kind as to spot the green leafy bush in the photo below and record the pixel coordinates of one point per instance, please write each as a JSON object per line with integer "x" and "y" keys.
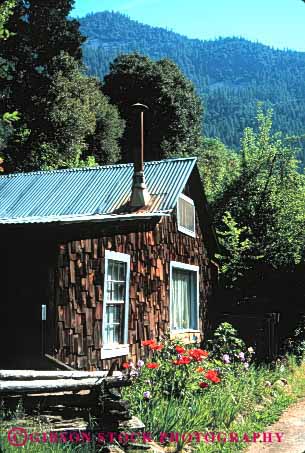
{"x": 227, "y": 347}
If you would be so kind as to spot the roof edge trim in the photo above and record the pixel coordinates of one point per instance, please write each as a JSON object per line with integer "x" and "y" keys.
{"x": 82, "y": 218}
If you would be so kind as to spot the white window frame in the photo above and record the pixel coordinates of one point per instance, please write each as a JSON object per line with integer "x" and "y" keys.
{"x": 181, "y": 227}
{"x": 186, "y": 267}
{"x": 112, "y": 350}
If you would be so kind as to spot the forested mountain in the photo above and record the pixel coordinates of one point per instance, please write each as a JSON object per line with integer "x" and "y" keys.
{"x": 230, "y": 74}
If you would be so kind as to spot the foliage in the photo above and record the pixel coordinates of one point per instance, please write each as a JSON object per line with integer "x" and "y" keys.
{"x": 260, "y": 216}
{"x": 239, "y": 246}
{"x": 296, "y": 343}
{"x": 225, "y": 345}
{"x": 76, "y": 111}
{"x": 44, "y": 28}
{"x": 6, "y": 9}
{"x": 173, "y": 122}
{"x": 6, "y": 129}
{"x": 230, "y": 74}
{"x": 6, "y": 122}
{"x": 218, "y": 166}
{"x": 64, "y": 117}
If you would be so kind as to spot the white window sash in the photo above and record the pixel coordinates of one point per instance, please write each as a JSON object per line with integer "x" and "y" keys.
{"x": 116, "y": 349}
{"x": 116, "y": 302}
{"x": 195, "y": 297}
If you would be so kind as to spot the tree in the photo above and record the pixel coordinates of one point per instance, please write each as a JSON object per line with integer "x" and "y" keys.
{"x": 61, "y": 108}
{"x": 78, "y": 123}
{"x": 6, "y": 9}
{"x": 219, "y": 167}
{"x": 40, "y": 32}
{"x": 264, "y": 207}
{"x": 173, "y": 123}
{"x": 7, "y": 119}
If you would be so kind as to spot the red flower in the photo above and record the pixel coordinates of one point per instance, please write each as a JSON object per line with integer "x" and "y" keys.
{"x": 182, "y": 361}
{"x": 203, "y": 385}
{"x": 152, "y": 365}
{"x": 200, "y": 369}
{"x": 180, "y": 349}
{"x": 212, "y": 376}
{"x": 198, "y": 354}
{"x": 156, "y": 347}
{"x": 148, "y": 342}
{"x": 125, "y": 365}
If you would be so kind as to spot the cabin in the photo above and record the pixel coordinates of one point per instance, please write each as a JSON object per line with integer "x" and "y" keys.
{"x": 96, "y": 260}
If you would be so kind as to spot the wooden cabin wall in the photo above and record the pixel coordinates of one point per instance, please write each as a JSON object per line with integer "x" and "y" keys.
{"x": 79, "y": 280}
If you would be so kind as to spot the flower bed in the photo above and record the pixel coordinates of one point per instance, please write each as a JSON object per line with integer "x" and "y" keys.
{"x": 188, "y": 389}
{"x": 184, "y": 389}
{"x": 175, "y": 369}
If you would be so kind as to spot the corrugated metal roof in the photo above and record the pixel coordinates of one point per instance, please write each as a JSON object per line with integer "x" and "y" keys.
{"x": 95, "y": 193}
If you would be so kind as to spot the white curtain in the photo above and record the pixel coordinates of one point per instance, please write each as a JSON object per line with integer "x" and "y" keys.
{"x": 182, "y": 300}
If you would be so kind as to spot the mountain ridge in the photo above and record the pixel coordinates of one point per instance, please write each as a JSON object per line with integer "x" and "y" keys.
{"x": 180, "y": 35}
{"x": 230, "y": 74}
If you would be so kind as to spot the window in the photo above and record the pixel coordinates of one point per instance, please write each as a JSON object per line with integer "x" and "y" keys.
{"x": 186, "y": 215}
{"x": 116, "y": 301}
{"x": 184, "y": 297}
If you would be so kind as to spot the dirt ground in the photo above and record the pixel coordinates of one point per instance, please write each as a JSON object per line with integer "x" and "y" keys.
{"x": 292, "y": 425}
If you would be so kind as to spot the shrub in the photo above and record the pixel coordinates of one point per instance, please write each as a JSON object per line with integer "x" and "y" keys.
{"x": 226, "y": 347}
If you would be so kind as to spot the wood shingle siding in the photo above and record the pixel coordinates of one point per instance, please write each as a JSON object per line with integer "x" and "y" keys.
{"x": 79, "y": 279}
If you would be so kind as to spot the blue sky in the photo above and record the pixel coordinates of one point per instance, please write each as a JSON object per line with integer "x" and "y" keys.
{"x": 278, "y": 23}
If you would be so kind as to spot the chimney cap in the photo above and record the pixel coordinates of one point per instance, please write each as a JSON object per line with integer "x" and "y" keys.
{"x": 140, "y": 107}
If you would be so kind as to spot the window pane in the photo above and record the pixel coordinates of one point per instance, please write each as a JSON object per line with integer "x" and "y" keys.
{"x": 110, "y": 292}
{"x": 116, "y": 267}
{"x": 113, "y": 313}
{"x": 184, "y": 299}
{"x": 114, "y": 325}
{"x": 116, "y": 271}
{"x": 122, "y": 272}
{"x": 119, "y": 292}
{"x": 112, "y": 334}
{"x": 110, "y": 270}
{"x": 115, "y": 292}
